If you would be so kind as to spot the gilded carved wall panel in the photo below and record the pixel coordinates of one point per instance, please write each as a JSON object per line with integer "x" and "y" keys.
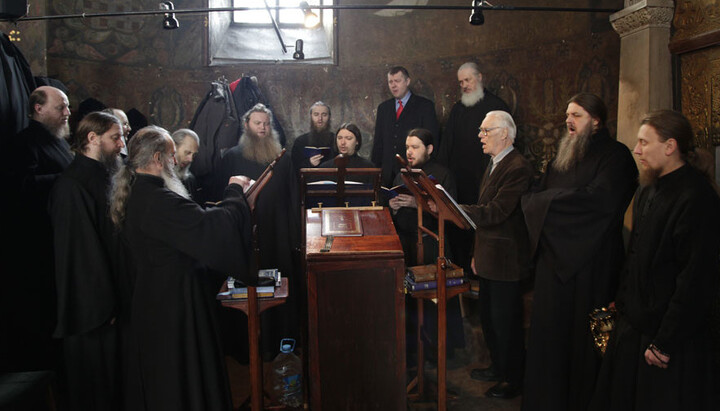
{"x": 695, "y": 17}
{"x": 700, "y": 80}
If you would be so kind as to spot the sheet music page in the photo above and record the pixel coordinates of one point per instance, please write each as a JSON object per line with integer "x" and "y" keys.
{"x": 462, "y": 212}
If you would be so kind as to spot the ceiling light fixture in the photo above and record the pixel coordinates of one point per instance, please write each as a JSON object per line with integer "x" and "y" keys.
{"x": 169, "y": 20}
{"x": 299, "y": 55}
{"x": 476, "y": 16}
{"x": 311, "y": 19}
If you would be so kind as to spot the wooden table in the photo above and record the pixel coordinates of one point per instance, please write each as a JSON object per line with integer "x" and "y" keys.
{"x": 252, "y": 307}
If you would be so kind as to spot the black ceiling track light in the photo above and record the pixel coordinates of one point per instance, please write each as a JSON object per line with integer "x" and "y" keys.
{"x": 170, "y": 22}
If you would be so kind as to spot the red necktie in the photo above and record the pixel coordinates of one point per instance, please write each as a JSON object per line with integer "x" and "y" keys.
{"x": 399, "y": 110}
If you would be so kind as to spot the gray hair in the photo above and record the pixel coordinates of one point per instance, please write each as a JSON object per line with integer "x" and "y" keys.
{"x": 470, "y": 65}
{"x": 320, "y": 104}
{"x": 506, "y": 121}
{"x": 180, "y": 135}
{"x": 141, "y": 152}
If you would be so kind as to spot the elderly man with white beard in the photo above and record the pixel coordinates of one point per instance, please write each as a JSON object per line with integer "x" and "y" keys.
{"x": 575, "y": 223}
{"x": 461, "y": 150}
{"x": 187, "y": 144}
{"x": 178, "y": 251}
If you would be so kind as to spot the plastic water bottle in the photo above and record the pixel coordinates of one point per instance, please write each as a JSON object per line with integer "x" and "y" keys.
{"x": 287, "y": 375}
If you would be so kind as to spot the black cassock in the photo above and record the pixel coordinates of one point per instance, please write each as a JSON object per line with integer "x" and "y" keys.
{"x": 406, "y": 224}
{"x": 86, "y": 255}
{"x": 575, "y": 223}
{"x": 174, "y": 245}
{"x": 668, "y": 285}
{"x": 37, "y": 161}
{"x": 277, "y": 215}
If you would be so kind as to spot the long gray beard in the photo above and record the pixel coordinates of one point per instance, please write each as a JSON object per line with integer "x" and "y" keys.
{"x": 184, "y": 172}
{"x": 260, "y": 150}
{"x": 173, "y": 183}
{"x": 59, "y": 132}
{"x": 470, "y": 99}
{"x": 572, "y": 150}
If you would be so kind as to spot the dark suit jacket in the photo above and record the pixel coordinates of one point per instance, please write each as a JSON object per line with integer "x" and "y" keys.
{"x": 502, "y": 248}
{"x": 390, "y": 134}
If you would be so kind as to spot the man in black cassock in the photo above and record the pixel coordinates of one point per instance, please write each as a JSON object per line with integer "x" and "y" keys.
{"x": 319, "y": 136}
{"x": 41, "y": 155}
{"x": 575, "y": 222}
{"x": 181, "y": 255}
{"x": 419, "y": 148}
{"x": 86, "y": 256}
{"x": 277, "y": 216}
{"x": 659, "y": 357}
{"x": 461, "y": 150}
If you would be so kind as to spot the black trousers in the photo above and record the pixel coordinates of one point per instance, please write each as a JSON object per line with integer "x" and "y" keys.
{"x": 501, "y": 309}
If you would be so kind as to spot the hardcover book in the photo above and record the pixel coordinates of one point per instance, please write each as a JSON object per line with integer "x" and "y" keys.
{"x": 313, "y": 151}
{"x": 431, "y": 285}
{"x": 422, "y": 273}
{"x": 341, "y": 223}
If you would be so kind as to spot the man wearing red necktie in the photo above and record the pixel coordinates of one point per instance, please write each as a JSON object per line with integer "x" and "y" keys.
{"x": 395, "y": 117}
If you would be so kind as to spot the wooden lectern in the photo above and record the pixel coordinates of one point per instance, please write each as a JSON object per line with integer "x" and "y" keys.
{"x": 425, "y": 192}
{"x": 251, "y": 306}
{"x": 356, "y": 308}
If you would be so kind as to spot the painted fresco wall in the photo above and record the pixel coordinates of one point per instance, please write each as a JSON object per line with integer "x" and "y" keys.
{"x": 535, "y": 61}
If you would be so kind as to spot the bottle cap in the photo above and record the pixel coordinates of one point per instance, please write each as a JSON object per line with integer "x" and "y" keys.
{"x": 287, "y": 342}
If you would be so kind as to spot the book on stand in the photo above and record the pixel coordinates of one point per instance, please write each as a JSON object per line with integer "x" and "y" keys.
{"x": 268, "y": 280}
{"x": 411, "y": 285}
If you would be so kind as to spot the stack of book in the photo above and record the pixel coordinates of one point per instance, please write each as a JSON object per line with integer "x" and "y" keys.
{"x": 268, "y": 280}
{"x": 424, "y": 277}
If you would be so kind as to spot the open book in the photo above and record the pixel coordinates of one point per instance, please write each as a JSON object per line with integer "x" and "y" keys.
{"x": 313, "y": 151}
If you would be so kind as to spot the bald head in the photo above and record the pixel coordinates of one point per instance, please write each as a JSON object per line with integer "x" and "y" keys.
{"x": 50, "y": 107}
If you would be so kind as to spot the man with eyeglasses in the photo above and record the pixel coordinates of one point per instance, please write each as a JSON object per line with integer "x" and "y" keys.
{"x": 461, "y": 151}
{"x": 501, "y": 255}
{"x": 575, "y": 223}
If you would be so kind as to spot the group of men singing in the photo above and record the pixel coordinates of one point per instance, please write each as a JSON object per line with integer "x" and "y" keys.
{"x": 137, "y": 262}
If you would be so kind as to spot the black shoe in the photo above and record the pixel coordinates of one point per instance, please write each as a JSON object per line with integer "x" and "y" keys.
{"x": 504, "y": 390}
{"x": 484, "y": 374}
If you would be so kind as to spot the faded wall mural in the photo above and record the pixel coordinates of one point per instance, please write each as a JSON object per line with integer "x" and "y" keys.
{"x": 535, "y": 61}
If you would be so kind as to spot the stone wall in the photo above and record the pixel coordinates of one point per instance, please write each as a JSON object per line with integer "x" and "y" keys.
{"x": 534, "y": 60}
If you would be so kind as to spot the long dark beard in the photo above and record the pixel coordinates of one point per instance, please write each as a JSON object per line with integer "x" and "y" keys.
{"x": 648, "y": 176}
{"x": 260, "y": 150}
{"x": 320, "y": 137}
{"x": 111, "y": 162}
{"x": 572, "y": 150}
{"x": 172, "y": 181}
